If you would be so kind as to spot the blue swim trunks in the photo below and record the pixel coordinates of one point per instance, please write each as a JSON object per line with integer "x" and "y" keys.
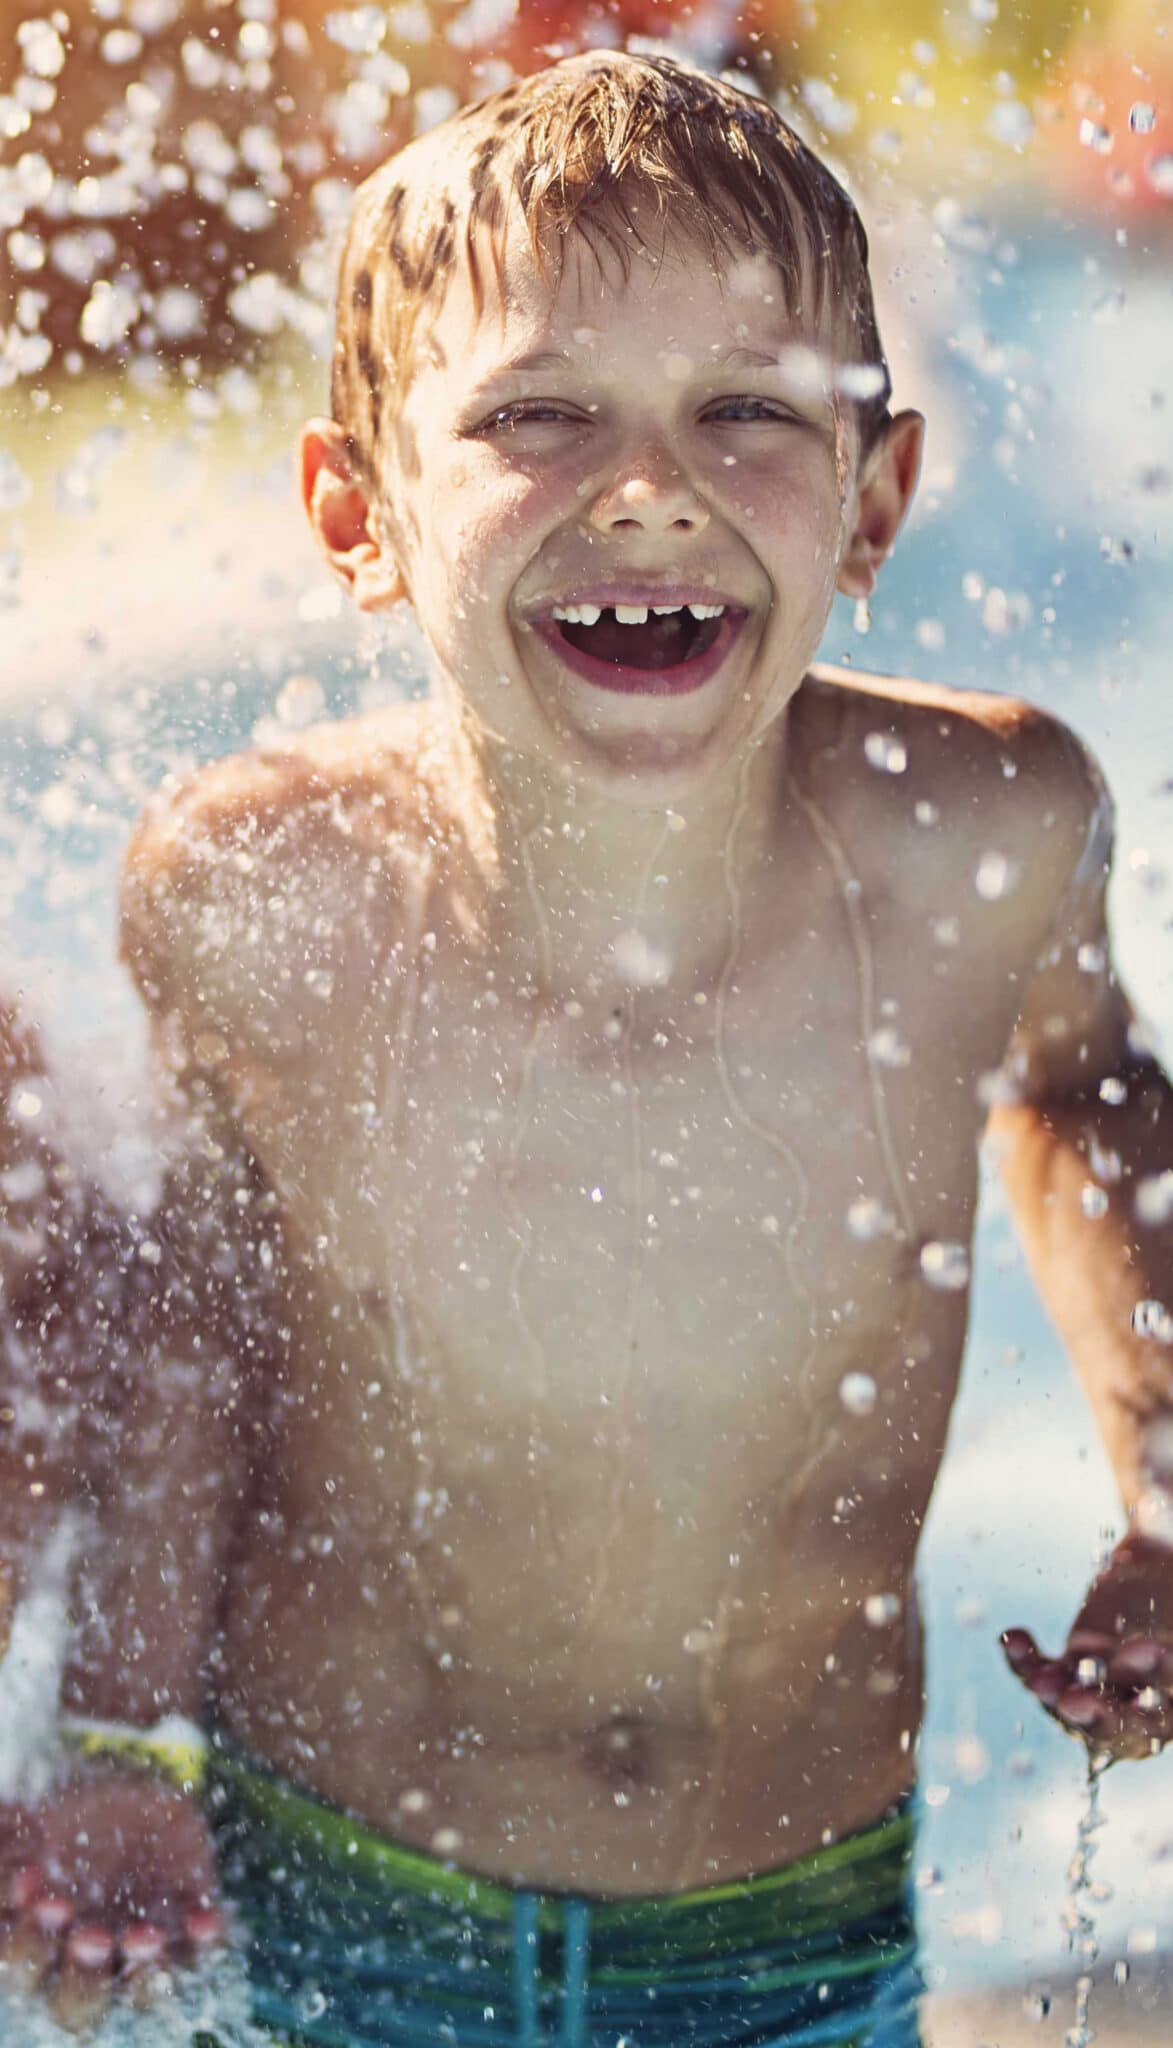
{"x": 354, "y": 1941}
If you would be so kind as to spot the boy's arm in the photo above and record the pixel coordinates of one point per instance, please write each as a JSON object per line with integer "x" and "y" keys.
{"x": 1085, "y": 1148}
{"x": 201, "y": 1347}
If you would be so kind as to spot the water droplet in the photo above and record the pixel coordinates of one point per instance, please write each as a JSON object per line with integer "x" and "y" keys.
{"x": 698, "y": 1642}
{"x": 1141, "y": 117}
{"x": 359, "y": 30}
{"x": 446, "y": 1842}
{"x": 867, "y": 1219}
{"x": 15, "y": 487}
{"x": 888, "y": 1048}
{"x": 1093, "y": 1201}
{"x": 1113, "y": 1090}
{"x": 1005, "y": 611}
{"x": 945, "y": 1265}
{"x": 861, "y": 617}
{"x": 1011, "y": 123}
{"x": 997, "y": 876}
{"x": 300, "y": 701}
{"x": 881, "y": 1608}
{"x": 640, "y": 962}
{"x": 835, "y": 115}
{"x": 1094, "y": 135}
{"x": 1091, "y": 959}
{"x": 1117, "y": 551}
{"x": 1120, "y": 1972}
{"x": 42, "y": 51}
{"x": 971, "y": 1759}
{"x": 882, "y": 751}
{"x": 1160, "y": 175}
{"x": 1036, "y": 2004}
{"x": 860, "y": 380}
{"x": 857, "y": 1391}
{"x": 1152, "y": 1319}
{"x": 311, "y": 2004}
{"x": 1154, "y": 1199}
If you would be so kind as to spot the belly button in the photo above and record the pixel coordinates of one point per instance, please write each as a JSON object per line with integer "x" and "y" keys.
{"x": 620, "y": 1752}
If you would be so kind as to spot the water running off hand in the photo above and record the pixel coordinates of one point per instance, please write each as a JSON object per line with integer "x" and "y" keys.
{"x": 1082, "y": 1894}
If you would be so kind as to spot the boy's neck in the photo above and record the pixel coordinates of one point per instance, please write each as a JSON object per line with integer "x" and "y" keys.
{"x": 592, "y": 897}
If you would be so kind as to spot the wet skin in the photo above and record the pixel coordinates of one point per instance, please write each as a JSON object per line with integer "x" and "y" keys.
{"x": 641, "y": 1499}
{"x": 569, "y": 1555}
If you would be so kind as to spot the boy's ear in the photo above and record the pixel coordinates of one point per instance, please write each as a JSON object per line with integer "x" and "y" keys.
{"x": 341, "y": 514}
{"x": 883, "y": 495}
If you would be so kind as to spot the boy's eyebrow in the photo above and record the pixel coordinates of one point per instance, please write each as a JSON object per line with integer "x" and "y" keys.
{"x": 557, "y": 359}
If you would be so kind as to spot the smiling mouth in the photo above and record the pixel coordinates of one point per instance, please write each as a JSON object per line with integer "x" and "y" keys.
{"x": 668, "y": 652}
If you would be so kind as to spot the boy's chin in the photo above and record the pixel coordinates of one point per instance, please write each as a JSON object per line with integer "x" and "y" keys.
{"x": 638, "y": 767}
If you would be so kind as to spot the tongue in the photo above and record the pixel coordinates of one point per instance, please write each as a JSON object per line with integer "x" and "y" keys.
{"x": 661, "y": 643}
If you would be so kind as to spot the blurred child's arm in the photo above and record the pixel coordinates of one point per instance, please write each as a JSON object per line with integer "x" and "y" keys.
{"x": 124, "y": 1436}
{"x": 1085, "y": 1149}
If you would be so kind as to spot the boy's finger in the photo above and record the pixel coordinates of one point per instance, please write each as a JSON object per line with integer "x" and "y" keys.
{"x": 1023, "y": 1654}
{"x": 1048, "y": 1681}
{"x": 52, "y": 1914}
{"x": 26, "y": 1958}
{"x": 1140, "y": 1660}
{"x": 204, "y": 1928}
{"x": 144, "y": 1948}
{"x": 83, "y": 1988}
{"x": 1087, "y": 1711}
{"x": 141, "y": 1946}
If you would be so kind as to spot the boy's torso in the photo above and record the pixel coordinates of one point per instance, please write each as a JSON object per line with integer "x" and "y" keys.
{"x": 627, "y": 1339}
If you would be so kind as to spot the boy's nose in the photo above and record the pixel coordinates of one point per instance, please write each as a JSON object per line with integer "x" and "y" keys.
{"x": 652, "y": 495}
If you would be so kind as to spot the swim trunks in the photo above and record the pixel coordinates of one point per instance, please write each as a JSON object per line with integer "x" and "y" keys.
{"x": 354, "y": 1941}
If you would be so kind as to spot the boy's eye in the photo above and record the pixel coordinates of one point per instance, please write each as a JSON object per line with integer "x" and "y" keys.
{"x": 752, "y": 409}
{"x": 533, "y": 413}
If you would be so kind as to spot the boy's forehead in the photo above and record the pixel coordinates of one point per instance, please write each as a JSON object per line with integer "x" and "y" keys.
{"x": 670, "y": 294}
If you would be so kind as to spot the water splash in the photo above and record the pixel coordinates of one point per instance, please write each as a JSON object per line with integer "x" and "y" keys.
{"x": 32, "y": 1667}
{"x": 1078, "y": 1919}
{"x": 211, "y": 2003}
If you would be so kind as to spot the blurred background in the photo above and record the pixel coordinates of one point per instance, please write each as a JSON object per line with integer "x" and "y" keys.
{"x": 173, "y": 179}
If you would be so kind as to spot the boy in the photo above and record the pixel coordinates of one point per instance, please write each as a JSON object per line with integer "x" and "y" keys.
{"x": 597, "y": 1054}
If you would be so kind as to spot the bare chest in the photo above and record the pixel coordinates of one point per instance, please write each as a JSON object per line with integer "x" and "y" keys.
{"x": 672, "y": 1217}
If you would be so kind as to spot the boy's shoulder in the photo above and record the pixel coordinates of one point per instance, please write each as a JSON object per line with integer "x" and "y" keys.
{"x": 277, "y": 849}
{"x": 340, "y": 784}
{"x": 993, "y": 721}
{"x": 986, "y": 775}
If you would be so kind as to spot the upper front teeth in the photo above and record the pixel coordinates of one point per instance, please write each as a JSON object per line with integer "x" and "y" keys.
{"x": 631, "y": 614}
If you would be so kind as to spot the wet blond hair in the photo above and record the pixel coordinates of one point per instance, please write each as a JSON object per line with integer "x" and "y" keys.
{"x": 573, "y": 146}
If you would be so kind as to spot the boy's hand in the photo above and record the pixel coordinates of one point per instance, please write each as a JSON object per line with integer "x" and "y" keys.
{"x": 103, "y": 1886}
{"x": 1112, "y": 1684}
